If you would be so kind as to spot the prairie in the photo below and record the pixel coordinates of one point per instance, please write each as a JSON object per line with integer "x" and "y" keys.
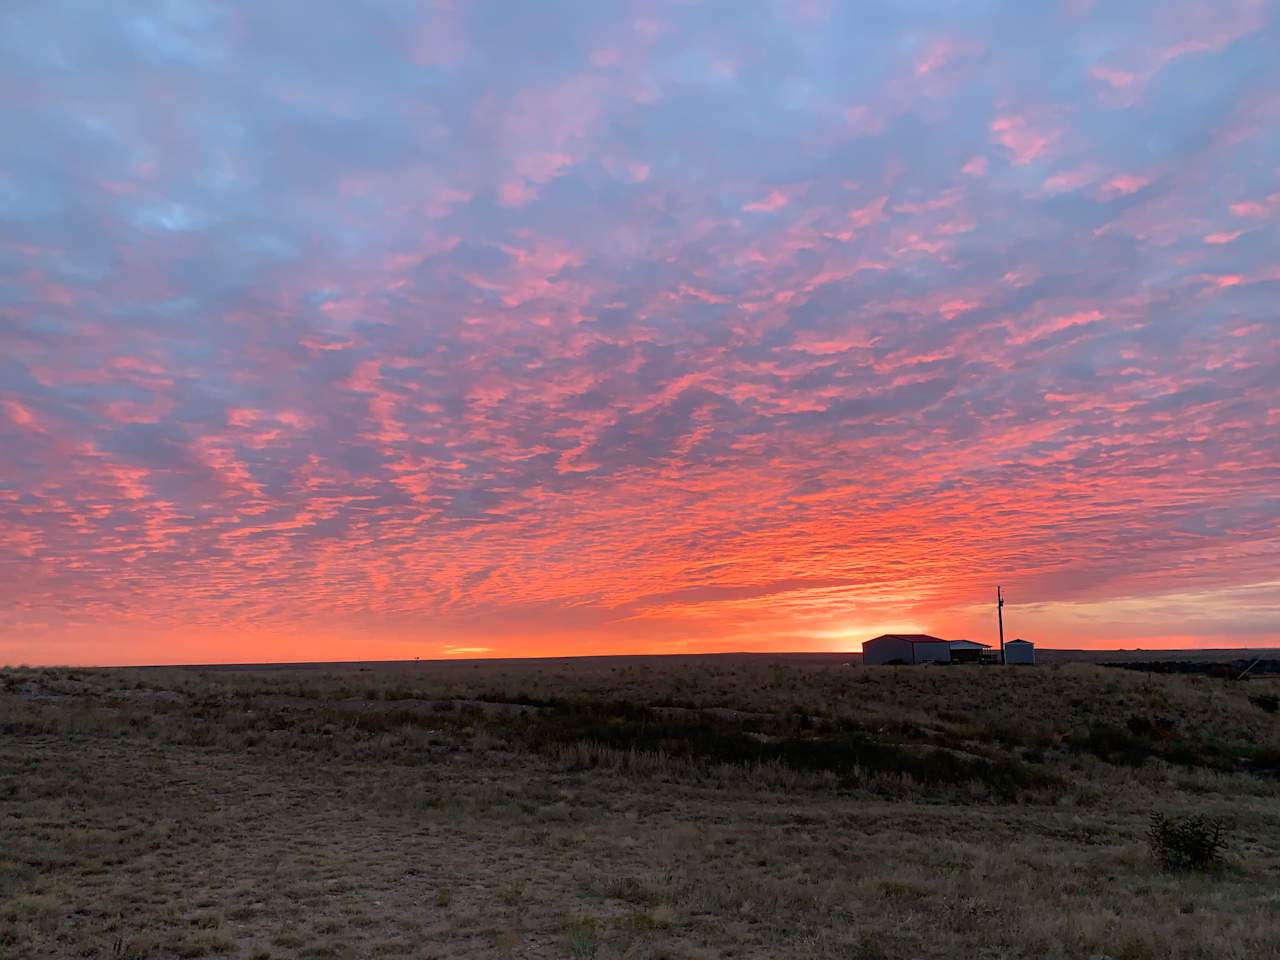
{"x": 664, "y": 807}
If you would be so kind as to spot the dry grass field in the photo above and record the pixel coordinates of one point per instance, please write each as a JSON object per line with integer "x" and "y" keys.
{"x": 632, "y": 807}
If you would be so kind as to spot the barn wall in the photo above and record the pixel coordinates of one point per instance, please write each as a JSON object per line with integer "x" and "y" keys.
{"x": 939, "y": 652}
{"x": 884, "y": 649}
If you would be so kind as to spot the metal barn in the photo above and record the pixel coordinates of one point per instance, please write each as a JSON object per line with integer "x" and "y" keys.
{"x": 906, "y": 648}
{"x": 1020, "y": 651}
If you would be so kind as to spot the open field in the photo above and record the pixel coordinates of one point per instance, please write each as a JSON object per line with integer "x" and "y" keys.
{"x": 1137, "y": 655}
{"x": 631, "y": 807}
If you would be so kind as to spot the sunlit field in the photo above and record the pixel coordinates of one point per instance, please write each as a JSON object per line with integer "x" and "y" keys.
{"x": 633, "y": 808}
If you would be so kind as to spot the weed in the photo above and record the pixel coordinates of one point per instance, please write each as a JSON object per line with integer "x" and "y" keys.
{"x": 582, "y": 941}
{"x": 512, "y": 894}
{"x": 1193, "y": 842}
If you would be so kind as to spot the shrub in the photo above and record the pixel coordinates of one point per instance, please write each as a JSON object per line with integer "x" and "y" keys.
{"x": 1266, "y": 701}
{"x": 582, "y": 940}
{"x": 1114, "y": 744}
{"x": 1194, "y": 842}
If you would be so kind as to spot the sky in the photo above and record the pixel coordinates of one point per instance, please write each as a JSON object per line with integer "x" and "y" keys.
{"x": 397, "y": 329}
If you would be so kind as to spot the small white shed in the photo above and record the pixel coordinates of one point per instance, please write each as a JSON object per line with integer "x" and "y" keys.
{"x": 1020, "y": 651}
{"x": 906, "y": 648}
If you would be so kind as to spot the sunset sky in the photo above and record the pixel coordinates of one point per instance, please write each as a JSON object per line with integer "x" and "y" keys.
{"x": 396, "y": 329}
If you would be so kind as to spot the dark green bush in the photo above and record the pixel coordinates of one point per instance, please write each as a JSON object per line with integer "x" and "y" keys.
{"x": 1114, "y": 744}
{"x": 1266, "y": 701}
{"x": 1194, "y": 842}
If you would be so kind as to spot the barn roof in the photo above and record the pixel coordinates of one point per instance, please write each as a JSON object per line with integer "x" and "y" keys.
{"x": 908, "y": 637}
{"x": 970, "y": 645}
{"x": 1020, "y": 640}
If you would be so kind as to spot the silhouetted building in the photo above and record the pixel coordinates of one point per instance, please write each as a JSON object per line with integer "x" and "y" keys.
{"x": 906, "y": 648}
{"x": 1019, "y": 651}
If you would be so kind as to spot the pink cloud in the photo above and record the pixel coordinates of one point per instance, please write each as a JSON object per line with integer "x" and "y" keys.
{"x": 1185, "y": 28}
{"x": 1024, "y": 140}
{"x": 954, "y": 308}
{"x": 1057, "y": 324}
{"x": 1256, "y": 209}
{"x": 516, "y": 193}
{"x": 1115, "y": 78}
{"x": 128, "y": 411}
{"x": 19, "y": 415}
{"x": 943, "y": 51}
{"x": 1069, "y": 181}
{"x": 775, "y": 200}
{"x": 869, "y": 215}
{"x": 1124, "y": 184}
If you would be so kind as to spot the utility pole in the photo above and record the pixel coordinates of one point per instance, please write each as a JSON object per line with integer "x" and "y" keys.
{"x": 1000, "y": 620}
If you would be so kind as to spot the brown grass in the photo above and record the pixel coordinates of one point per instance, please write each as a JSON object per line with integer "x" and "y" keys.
{"x": 627, "y": 808}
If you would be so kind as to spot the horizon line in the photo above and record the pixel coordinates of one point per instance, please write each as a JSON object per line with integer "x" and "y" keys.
{"x": 285, "y": 664}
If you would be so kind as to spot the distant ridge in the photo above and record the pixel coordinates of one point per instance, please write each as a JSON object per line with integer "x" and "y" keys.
{"x": 1044, "y": 655}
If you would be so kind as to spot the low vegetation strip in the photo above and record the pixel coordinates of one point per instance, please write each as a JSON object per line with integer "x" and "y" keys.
{"x": 1240, "y": 667}
{"x": 846, "y": 756}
